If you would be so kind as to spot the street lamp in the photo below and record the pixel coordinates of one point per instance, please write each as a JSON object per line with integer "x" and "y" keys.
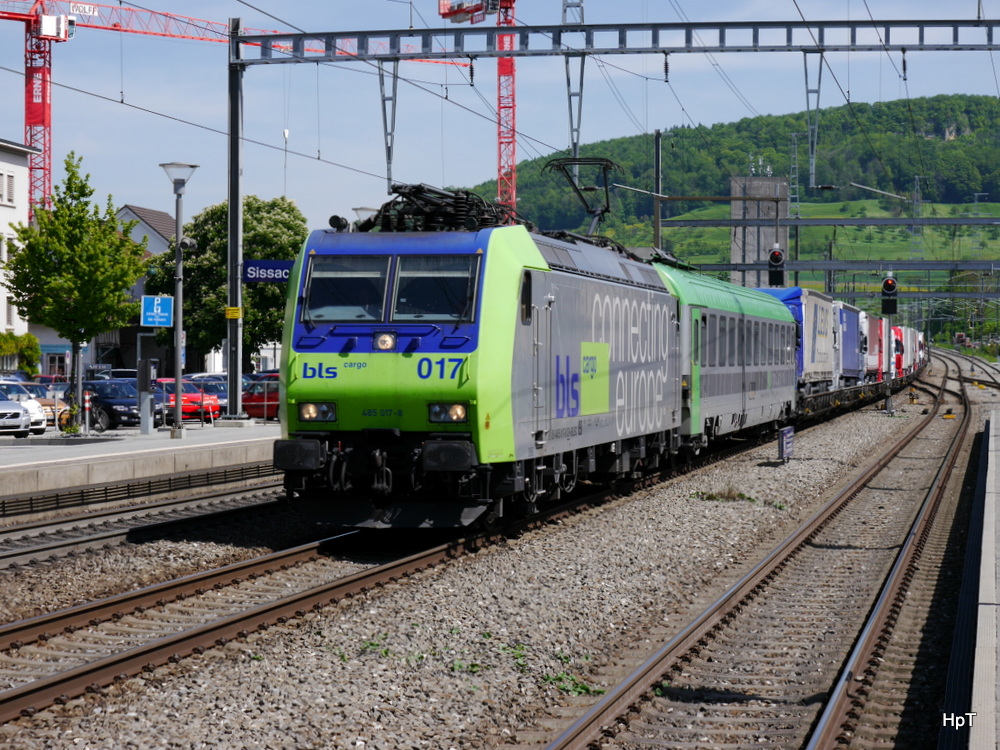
{"x": 179, "y": 174}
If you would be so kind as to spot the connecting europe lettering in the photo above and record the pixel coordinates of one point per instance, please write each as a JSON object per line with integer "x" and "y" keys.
{"x": 632, "y": 336}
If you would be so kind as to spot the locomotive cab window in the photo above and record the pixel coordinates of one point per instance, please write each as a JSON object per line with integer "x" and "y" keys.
{"x": 526, "y": 297}
{"x": 345, "y": 288}
{"x": 436, "y": 288}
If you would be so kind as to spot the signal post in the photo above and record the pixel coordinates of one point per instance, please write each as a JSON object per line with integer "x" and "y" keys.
{"x": 889, "y": 289}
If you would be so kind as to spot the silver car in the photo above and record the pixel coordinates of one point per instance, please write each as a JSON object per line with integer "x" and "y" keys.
{"x": 14, "y": 419}
{"x": 13, "y": 390}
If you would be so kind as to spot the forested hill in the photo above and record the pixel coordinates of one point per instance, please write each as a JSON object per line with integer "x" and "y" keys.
{"x": 952, "y": 142}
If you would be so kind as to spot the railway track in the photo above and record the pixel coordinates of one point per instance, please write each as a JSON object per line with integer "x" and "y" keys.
{"x": 43, "y": 540}
{"x": 52, "y": 658}
{"x": 756, "y": 669}
{"x": 899, "y": 682}
{"x": 98, "y": 643}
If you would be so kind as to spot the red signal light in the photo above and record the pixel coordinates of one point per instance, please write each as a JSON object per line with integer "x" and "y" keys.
{"x": 889, "y": 286}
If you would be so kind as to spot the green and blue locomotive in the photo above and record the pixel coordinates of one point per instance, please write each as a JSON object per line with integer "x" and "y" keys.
{"x": 447, "y": 368}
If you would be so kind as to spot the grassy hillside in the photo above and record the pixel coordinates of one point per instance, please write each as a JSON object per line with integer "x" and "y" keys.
{"x": 948, "y": 146}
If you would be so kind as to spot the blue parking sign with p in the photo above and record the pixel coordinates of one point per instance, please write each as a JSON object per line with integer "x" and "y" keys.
{"x": 157, "y": 311}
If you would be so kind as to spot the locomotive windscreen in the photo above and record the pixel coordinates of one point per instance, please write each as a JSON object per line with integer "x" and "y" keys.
{"x": 345, "y": 288}
{"x": 435, "y": 288}
{"x": 427, "y": 288}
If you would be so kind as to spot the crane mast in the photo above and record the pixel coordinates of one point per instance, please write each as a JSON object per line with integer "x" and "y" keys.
{"x": 50, "y": 21}
{"x": 464, "y": 10}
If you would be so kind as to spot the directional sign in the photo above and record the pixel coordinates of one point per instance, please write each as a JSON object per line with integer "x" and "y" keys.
{"x": 157, "y": 311}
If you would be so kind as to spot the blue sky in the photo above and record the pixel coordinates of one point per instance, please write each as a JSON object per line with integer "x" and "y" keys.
{"x": 126, "y": 102}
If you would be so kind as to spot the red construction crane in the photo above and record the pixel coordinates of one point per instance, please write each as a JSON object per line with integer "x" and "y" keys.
{"x": 48, "y": 21}
{"x": 466, "y": 10}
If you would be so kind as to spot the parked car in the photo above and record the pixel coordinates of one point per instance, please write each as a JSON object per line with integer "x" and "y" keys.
{"x": 56, "y": 410}
{"x": 261, "y": 373}
{"x": 14, "y": 390}
{"x": 14, "y": 419}
{"x": 46, "y": 379}
{"x": 97, "y": 372}
{"x": 220, "y": 376}
{"x": 194, "y": 403}
{"x": 160, "y": 399}
{"x": 218, "y": 387}
{"x": 113, "y": 404}
{"x": 261, "y": 399}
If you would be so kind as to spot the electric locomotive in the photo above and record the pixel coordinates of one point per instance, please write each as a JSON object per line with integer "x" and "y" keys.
{"x": 442, "y": 366}
{"x": 468, "y": 369}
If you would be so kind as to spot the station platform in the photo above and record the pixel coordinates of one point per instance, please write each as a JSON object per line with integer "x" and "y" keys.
{"x": 970, "y": 715}
{"x": 51, "y": 462}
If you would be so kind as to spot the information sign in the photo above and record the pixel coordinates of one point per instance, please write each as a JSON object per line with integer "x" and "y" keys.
{"x": 785, "y": 444}
{"x": 157, "y": 312}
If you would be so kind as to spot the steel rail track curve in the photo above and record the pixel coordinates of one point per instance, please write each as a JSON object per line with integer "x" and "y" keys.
{"x": 587, "y": 729}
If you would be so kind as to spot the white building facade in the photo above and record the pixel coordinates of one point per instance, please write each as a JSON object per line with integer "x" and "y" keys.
{"x": 13, "y": 210}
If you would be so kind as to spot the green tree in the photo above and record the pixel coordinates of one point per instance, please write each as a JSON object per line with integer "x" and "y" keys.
{"x": 272, "y": 230}
{"x": 73, "y": 269}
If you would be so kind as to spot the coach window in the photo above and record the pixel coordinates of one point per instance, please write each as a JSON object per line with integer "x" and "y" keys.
{"x": 732, "y": 342}
{"x": 345, "y": 288}
{"x": 695, "y": 339}
{"x": 741, "y": 341}
{"x": 756, "y": 343}
{"x": 704, "y": 341}
{"x": 723, "y": 340}
{"x": 709, "y": 342}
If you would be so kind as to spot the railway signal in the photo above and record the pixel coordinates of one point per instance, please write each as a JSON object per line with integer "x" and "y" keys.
{"x": 889, "y": 287}
{"x": 776, "y": 267}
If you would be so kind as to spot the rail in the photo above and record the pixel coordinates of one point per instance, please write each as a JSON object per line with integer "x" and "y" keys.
{"x": 617, "y": 702}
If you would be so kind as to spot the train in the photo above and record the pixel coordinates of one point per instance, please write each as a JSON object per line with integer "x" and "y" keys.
{"x": 446, "y": 364}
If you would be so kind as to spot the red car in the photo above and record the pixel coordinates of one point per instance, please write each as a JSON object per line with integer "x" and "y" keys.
{"x": 261, "y": 399}
{"x": 194, "y": 403}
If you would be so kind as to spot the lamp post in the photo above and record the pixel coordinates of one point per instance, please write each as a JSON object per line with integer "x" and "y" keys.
{"x": 179, "y": 174}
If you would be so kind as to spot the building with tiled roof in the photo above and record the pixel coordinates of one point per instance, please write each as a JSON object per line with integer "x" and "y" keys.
{"x": 157, "y": 226}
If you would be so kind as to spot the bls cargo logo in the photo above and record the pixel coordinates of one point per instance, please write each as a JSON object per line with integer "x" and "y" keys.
{"x": 319, "y": 371}
{"x": 567, "y": 389}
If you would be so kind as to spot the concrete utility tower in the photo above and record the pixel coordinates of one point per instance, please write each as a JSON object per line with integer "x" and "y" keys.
{"x": 752, "y": 244}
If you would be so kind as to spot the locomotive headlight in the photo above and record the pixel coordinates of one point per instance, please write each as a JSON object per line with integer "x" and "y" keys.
{"x": 310, "y": 412}
{"x": 385, "y": 342}
{"x": 448, "y": 413}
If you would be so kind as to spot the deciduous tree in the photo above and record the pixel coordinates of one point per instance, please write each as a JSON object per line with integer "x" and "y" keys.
{"x": 73, "y": 269}
{"x": 272, "y": 230}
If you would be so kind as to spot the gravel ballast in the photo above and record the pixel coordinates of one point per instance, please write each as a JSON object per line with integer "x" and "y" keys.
{"x": 460, "y": 656}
